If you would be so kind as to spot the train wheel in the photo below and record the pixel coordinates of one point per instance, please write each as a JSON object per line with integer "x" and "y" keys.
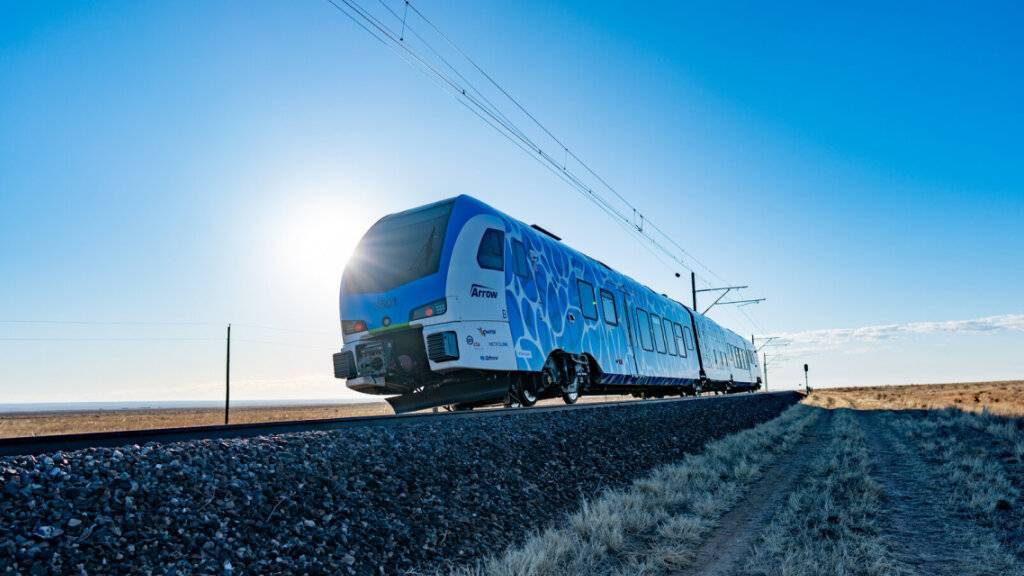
{"x": 577, "y": 376}
{"x": 554, "y": 376}
{"x": 571, "y": 393}
{"x": 525, "y": 394}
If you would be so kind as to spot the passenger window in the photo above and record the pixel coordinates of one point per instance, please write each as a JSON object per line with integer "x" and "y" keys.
{"x": 643, "y": 326}
{"x": 670, "y": 342}
{"x": 611, "y": 313}
{"x": 520, "y": 264}
{"x": 688, "y": 338}
{"x": 659, "y": 333}
{"x": 587, "y": 302}
{"x": 677, "y": 338}
{"x": 491, "y": 254}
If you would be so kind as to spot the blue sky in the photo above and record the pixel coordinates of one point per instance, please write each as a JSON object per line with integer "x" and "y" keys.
{"x": 859, "y": 166}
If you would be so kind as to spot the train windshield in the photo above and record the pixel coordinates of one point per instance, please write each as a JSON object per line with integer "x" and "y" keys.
{"x": 398, "y": 249}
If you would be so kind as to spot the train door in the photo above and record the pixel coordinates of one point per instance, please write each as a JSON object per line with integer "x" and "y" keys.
{"x": 629, "y": 312}
{"x": 619, "y": 331}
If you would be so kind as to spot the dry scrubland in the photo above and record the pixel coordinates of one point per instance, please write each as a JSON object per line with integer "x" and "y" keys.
{"x": 1003, "y": 398}
{"x": 15, "y": 424}
{"x": 850, "y": 482}
{"x": 72, "y": 422}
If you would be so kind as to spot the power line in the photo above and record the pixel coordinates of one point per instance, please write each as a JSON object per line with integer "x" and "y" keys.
{"x": 275, "y": 343}
{"x": 510, "y": 129}
{"x": 104, "y": 339}
{"x": 477, "y": 102}
{"x": 293, "y": 330}
{"x": 111, "y": 323}
{"x": 565, "y": 147}
{"x": 162, "y": 323}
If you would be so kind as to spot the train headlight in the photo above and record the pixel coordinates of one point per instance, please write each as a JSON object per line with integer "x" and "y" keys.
{"x": 352, "y": 326}
{"x": 435, "y": 308}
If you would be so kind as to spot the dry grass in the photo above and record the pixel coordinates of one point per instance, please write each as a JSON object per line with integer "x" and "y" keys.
{"x": 977, "y": 479}
{"x": 830, "y": 524}
{"x": 45, "y": 423}
{"x": 1002, "y": 398}
{"x": 654, "y": 526}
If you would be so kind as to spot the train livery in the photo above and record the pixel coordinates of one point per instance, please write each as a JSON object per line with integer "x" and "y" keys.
{"x": 458, "y": 304}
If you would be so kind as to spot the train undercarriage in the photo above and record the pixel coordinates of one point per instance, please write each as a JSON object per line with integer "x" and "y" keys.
{"x": 565, "y": 376}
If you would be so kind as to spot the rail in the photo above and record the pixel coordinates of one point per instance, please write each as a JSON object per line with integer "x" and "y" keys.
{"x": 36, "y": 445}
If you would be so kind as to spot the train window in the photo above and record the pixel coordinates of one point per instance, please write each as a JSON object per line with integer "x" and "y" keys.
{"x": 670, "y": 342}
{"x": 588, "y": 304}
{"x": 659, "y": 333}
{"x": 677, "y": 338}
{"x": 520, "y": 264}
{"x": 398, "y": 249}
{"x": 643, "y": 327}
{"x": 491, "y": 254}
{"x": 611, "y": 313}
{"x": 688, "y": 338}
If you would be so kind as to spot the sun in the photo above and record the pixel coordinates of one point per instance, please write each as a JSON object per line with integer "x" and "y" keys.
{"x": 315, "y": 239}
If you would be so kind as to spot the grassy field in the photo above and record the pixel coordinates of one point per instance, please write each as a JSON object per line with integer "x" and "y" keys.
{"x": 909, "y": 480}
{"x": 15, "y": 424}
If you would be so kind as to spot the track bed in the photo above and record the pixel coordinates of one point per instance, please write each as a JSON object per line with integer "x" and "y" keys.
{"x": 382, "y": 499}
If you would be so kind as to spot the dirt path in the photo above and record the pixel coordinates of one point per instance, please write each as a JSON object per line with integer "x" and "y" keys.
{"x": 928, "y": 537}
{"x": 725, "y": 549}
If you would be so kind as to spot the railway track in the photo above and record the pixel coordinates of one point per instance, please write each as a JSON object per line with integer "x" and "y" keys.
{"x": 36, "y": 445}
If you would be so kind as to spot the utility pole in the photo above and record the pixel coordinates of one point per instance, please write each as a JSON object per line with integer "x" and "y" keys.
{"x": 693, "y": 289}
{"x": 807, "y": 386}
{"x": 227, "y": 379}
{"x": 764, "y": 363}
{"x": 765, "y": 342}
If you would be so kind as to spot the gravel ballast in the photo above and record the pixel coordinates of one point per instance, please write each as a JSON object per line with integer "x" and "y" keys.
{"x": 380, "y": 500}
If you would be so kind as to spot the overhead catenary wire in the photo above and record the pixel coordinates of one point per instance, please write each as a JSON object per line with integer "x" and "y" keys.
{"x": 474, "y": 99}
{"x": 562, "y": 144}
{"x": 508, "y": 128}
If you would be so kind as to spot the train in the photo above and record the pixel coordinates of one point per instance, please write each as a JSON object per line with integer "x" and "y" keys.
{"x": 457, "y": 304}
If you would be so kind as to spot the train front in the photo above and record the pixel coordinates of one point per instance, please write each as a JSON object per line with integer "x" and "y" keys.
{"x": 403, "y": 314}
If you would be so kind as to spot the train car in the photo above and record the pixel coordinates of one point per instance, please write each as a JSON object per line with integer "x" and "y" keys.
{"x": 458, "y": 304}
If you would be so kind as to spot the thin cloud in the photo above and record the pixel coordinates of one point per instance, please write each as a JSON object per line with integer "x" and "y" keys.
{"x": 834, "y": 338}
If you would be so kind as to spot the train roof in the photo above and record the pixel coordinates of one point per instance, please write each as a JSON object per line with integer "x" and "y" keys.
{"x": 476, "y": 205}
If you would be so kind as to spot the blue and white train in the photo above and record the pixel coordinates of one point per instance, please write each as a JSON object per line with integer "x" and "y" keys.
{"x": 458, "y": 304}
